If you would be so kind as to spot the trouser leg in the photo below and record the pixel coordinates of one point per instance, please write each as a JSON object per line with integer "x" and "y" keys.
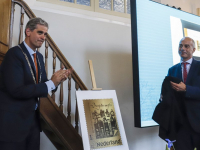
{"x": 33, "y": 139}
{"x": 187, "y": 138}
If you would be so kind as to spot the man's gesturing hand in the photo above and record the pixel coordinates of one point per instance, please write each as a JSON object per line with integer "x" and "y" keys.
{"x": 61, "y": 75}
{"x": 181, "y": 87}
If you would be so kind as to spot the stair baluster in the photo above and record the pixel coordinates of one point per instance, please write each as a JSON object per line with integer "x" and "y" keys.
{"x": 54, "y": 67}
{"x": 61, "y": 92}
{"x": 46, "y": 57}
{"x": 21, "y": 26}
{"x": 69, "y": 99}
{"x": 76, "y": 113}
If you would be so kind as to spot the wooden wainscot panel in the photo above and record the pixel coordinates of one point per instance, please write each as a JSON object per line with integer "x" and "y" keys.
{"x": 5, "y": 11}
{"x": 1, "y": 57}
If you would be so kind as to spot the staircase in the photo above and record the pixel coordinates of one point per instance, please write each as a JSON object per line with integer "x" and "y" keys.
{"x": 57, "y": 127}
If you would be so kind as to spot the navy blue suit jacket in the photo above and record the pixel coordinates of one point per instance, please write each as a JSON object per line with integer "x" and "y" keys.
{"x": 192, "y": 94}
{"x": 19, "y": 94}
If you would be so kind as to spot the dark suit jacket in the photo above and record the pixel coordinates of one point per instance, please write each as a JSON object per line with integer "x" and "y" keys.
{"x": 19, "y": 94}
{"x": 169, "y": 113}
{"x": 192, "y": 94}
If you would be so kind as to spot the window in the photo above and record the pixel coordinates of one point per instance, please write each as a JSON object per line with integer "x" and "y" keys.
{"x": 81, "y": 2}
{"x": 122, "y": 6}
{"x": 113, "y": 7}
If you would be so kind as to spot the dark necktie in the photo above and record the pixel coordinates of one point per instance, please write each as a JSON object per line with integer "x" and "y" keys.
{"x": 184, "y": 71}
{"x": 36, "y": 67}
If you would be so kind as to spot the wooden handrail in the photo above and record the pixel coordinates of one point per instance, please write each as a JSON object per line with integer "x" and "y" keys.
{"x": 3, "y": 43}
{"x": 2, "y": 54}
{"x": 51, "y": 43}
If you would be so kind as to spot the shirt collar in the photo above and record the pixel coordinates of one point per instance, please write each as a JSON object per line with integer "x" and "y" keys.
{"x": 31, "y": 52}
{"x": 188, "y": 61}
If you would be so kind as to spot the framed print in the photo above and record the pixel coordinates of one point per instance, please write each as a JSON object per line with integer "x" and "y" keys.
{"x": 100, "y": 120}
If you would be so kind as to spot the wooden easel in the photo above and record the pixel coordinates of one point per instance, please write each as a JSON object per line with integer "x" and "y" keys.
{"x": 93, "y": 77}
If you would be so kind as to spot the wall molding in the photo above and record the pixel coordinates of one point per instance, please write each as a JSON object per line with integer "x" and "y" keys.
{"x": 80, "y": 13}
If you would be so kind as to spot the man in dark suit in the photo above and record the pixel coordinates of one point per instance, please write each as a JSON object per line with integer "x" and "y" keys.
{"x": 188, "y": 70}
{"x": 22, "y": 81}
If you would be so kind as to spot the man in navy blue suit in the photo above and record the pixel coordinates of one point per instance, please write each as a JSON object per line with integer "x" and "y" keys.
{"x": 188, "y": 70}
{"x": 22, "y": 81}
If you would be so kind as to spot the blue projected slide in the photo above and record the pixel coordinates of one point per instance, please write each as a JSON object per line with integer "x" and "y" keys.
{"x": 159, "y": 30}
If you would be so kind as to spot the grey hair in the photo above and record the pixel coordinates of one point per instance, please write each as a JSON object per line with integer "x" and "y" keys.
{"x": 32, "y": 24}
{"x": 194, "y": 46}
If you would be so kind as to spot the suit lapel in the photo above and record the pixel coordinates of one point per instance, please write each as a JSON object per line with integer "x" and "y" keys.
{"x": 29, "y": 57}
{"x": 192, "y": 71}
{"x": 179, "y": 72}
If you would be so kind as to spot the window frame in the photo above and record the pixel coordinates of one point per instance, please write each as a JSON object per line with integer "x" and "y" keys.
{"x": 69, "y": 4}
{"x": 112, "y": 12}
{"x": 93, "y": 7}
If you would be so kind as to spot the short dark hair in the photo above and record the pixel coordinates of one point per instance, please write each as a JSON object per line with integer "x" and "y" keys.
{"x": 32, "y": 24}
